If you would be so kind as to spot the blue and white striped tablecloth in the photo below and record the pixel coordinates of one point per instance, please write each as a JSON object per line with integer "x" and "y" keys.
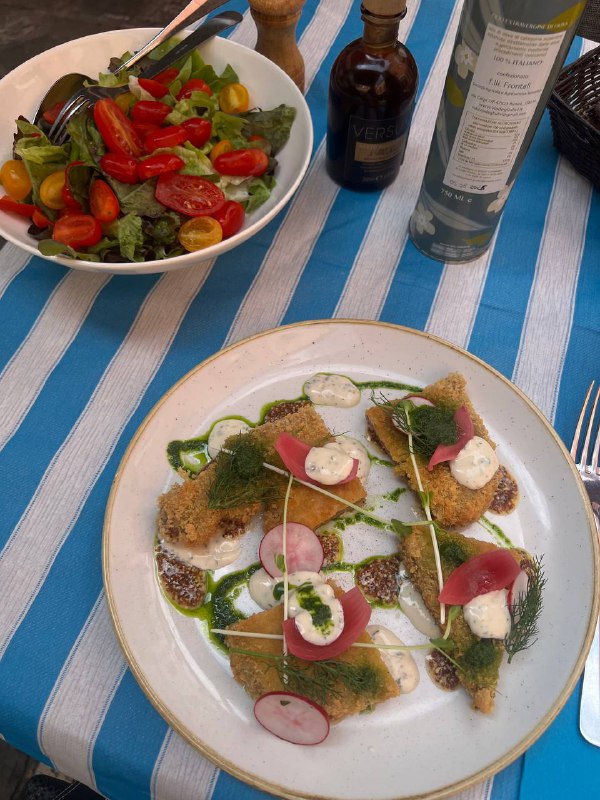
{"x": 83, "y": 358}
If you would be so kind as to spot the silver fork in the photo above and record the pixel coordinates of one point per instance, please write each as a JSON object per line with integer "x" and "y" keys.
{"x": 589, "y": 717}
{"x": 86, "y": 96}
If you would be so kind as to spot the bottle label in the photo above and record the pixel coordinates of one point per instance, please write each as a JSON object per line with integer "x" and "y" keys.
{"x": 375, "y": 149}
{"x": 511, "y": 73}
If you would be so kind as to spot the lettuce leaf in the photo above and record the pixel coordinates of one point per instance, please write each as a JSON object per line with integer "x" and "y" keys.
{"x": 86, "y": 142}
{"x": 40, "y": 157}
{"x": 184, "y": 109}
{"x": 164, "y": 48}
{"x": 196, "y": 161}
{"x": 138, "y": 197}
{"x": 130, "y": 236}
{"x": 226, "y": 126}
{"x": 275, "y": 125}
{"x": 250, "y": 192}
{"x": 48, "y": 247}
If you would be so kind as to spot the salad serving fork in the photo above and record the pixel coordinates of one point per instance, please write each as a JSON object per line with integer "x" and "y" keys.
{"x": 589, "y": 718}
{"x": 85, "y": 96}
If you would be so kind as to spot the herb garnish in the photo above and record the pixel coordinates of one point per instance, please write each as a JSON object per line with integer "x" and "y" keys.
{"x": 318, "y": 679}
{"x": 240, "y": 477}
{"x": 525, "y": 612}
{"x": 429, "y": 426}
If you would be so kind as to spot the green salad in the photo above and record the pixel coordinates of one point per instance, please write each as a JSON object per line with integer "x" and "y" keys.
{"x": 171, "y": 165}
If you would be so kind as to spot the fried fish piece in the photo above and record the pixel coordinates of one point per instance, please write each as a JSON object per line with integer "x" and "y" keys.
{"x": 480, "y": 659}
{"x": 183, "y": 512}
{"x": 258, "y": 675}
{"x": 452, "y": 504}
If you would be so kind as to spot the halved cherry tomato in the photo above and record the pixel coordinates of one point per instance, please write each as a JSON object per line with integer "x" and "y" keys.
{"x": 150, "y": 111}
{"x": 194, "y": 85}
{"x": 10, "y": 205}
{"x": 125, "y": 100}
{"x": 242, "y": 162}
{"x": 198, "y": 130}
{"x": 198, "y": 233}
{"x": 484, "y": 573}
{"x": 104, "y": 204}
{"x": 224, "y": 146}
{"x": 121, "y": 167}
{"x": 39, "y": 219}
{"x": 116, "y": 129}
{"x": 263, "y": 143}
{"x": 165, "y": 137}
{"x": 52, "y": 113}
{"x": 234, "y": 98}
{"x": 167, "y": 76}
{"x": 51, "y": 190}
{"x": 230, "y": 218}
{"x": 15, "y": 179}
{"x": 77, "y": 230}
{"x": 155, "y": 88}
{"x": 144, "y": 128}
{"x": 158, "y": 164}
{"x": 189, "y": 194}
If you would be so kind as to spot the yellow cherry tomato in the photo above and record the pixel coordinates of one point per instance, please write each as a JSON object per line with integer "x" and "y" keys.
{"x": 51, "y": 190}
{"x": 234, "y": 99}
{"x": 125, "y": 101}
{"x": 224, "y": 146}
{"x": 200, "y": 232}
{"x": 15, "y": 179}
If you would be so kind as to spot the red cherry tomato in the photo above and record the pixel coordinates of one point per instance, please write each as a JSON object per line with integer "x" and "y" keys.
{"x": 121, "y": 167}
{"x": 158, "y": 164}
{"x": 39, "y": 219}
{"x": 165, "y": 137}
{"x": 104, "y": 204}
{"x": 167, "y": 76}
{"x": 484, "y": 573}
{"x": 144, "y": 128}
{"x": 230, "y": 217}
{"x": 195, "y": 85}
{"x": 116, "y": 129}
{"x": 189, "y": 195}
{"x": 77, "y": 230}
{"x": 52, "y": 113}
{"x": 155, "y": 88}
{"x": 242, "y": 162}
{"x": 150, "y": 111}
{"x": 197, "y": 130}
{"x": 21, "y": 209}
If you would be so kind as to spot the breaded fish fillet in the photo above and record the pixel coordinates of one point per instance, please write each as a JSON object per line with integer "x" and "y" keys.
{"x": 258, "y": 676}
{"x": 184, "y": 516}
{"x": 455, "y": 549}
{"x": 451, "y": 504}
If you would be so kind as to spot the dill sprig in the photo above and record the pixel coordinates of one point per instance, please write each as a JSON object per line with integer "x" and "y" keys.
{"x": 525, "y": 612}
{"x": 319, "y": 680}
{"x": 428, "y": 425}
{"x": 240, "y": 477}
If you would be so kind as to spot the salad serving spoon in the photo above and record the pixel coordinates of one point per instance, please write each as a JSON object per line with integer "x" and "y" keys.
{"x": 87, "y": 95}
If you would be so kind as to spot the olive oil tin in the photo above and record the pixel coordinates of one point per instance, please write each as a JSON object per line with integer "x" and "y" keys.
{"x": 505, "y": 60}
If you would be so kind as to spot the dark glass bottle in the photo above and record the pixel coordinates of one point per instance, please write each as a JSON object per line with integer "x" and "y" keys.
{"x": 372, "y": 91}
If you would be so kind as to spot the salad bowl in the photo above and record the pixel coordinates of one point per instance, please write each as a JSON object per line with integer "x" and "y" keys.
{"x": 22, "y": 90}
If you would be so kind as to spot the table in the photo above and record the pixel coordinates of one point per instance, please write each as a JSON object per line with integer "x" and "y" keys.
{"x": 85, "y": 357}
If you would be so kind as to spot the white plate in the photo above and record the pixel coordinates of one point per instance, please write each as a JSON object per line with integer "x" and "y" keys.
{"x": 429, "y": 743}
{"x": 22, "y": 90}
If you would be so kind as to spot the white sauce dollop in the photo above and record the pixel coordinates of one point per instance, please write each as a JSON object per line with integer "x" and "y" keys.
{"x": 356, "y": 450}
{"x": 262, "y": 586}
{"x": 475, "y": 465}
{"x": 320, "y": 635}
{"x": 331, "y": 390}
{"x": 221, "y": 431}
{"x": 413, "y": 606}
{"x": 400, "y": 663}
{"x": 488, "y": 616}
{"x": 327, "y": 465}
{"x": 217, "y": 553}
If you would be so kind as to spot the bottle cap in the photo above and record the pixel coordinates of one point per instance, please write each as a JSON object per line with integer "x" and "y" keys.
{"x": 385, "y": 8}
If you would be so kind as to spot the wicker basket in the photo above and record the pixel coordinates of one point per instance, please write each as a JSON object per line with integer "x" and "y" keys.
{"x": 575, "y": 126}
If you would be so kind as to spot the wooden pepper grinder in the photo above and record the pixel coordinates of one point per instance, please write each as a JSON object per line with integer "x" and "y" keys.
{"x": 276, "y": 22}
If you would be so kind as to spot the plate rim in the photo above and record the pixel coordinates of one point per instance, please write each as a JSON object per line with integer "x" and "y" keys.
{"x": 254, "y": 780}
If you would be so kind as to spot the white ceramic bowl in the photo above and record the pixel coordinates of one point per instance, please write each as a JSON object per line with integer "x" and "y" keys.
{"x": 22, "y": 90}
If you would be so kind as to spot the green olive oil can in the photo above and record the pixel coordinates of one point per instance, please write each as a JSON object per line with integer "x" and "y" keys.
{"x": 505, "y": 60}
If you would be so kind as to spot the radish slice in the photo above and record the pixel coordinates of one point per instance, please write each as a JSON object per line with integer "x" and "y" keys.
{"x": 417, "y": 400}
{"x": 518, "y": 588}
{"x": 293, "y": 453}
{"x": 484, "y": 573}
{"x": 357, "y": 613}
{"x": 304, "y": 550}
{"x": 291, "y": 717}
{"x": 446, "y": 452}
